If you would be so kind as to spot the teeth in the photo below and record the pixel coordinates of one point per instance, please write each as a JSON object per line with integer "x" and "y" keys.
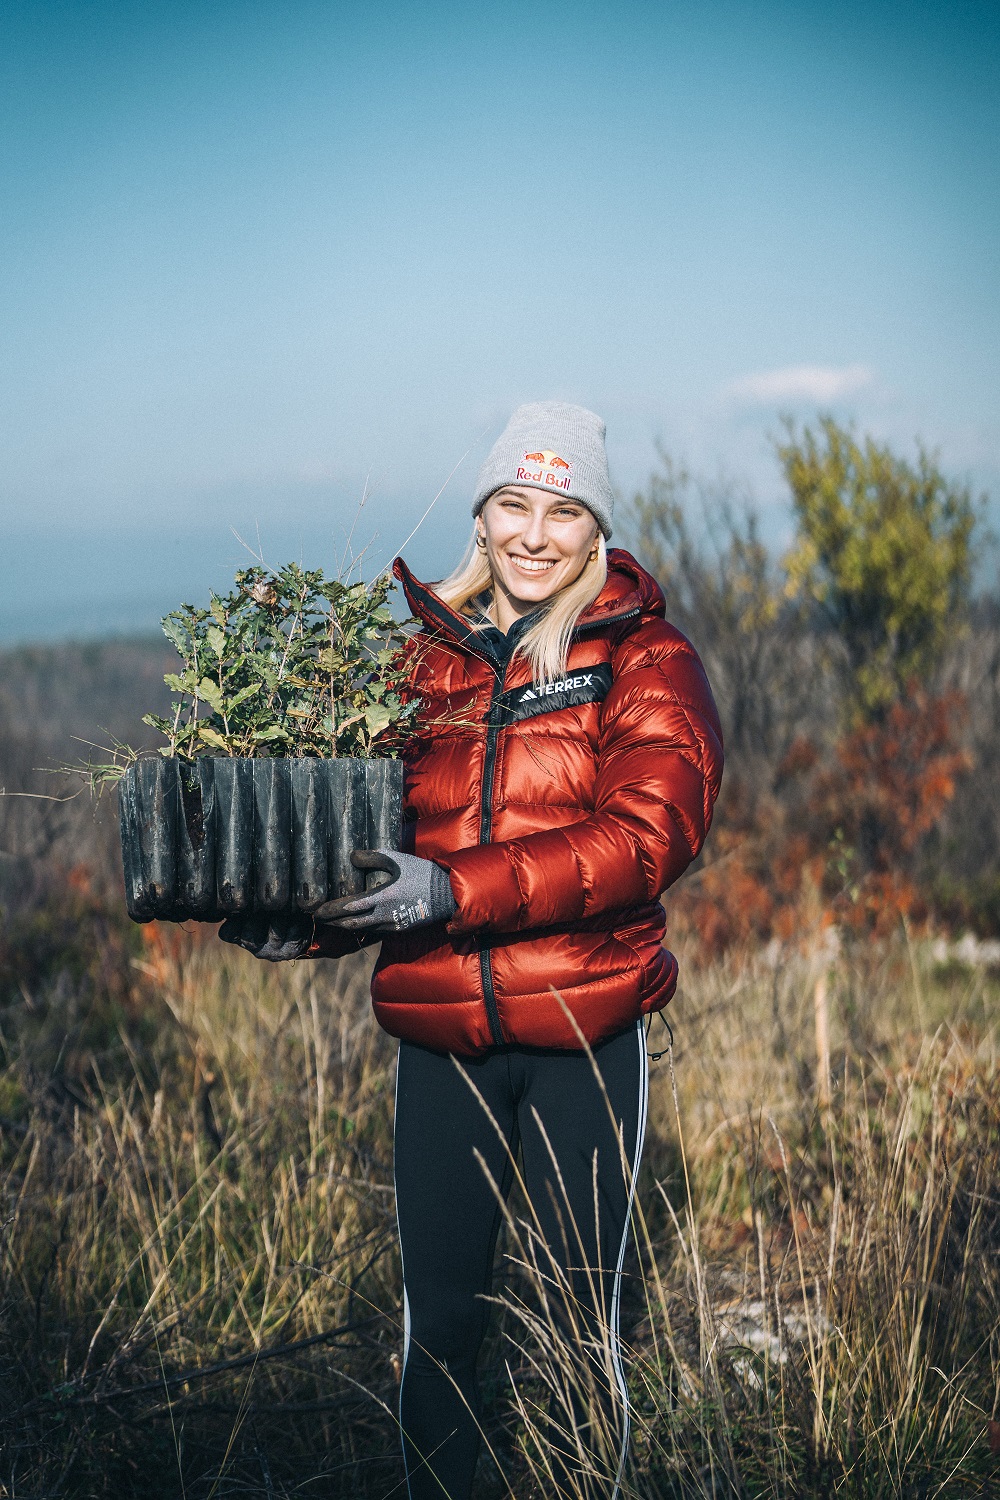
{"x": 532, "y": 564}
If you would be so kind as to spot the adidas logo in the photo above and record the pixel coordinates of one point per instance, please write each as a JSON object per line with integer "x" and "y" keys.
{"x": 565, "y": 686}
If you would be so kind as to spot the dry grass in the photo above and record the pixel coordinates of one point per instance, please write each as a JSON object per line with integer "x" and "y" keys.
{"x": 200, "y": 1285}
{"x": 229, "y": 1203}
{"x": 821, "y": 1285}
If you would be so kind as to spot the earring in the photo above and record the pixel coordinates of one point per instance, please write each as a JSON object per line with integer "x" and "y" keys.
{"x": 480, "y": 541}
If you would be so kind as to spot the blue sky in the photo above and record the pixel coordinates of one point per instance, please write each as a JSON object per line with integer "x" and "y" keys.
{"x": 259, "y": 255}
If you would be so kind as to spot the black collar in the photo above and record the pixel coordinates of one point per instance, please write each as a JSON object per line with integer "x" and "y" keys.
{"x": 503, "y": 645}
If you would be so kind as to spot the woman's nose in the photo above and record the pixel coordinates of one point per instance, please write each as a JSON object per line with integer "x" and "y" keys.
{"x": 535, "y": 536}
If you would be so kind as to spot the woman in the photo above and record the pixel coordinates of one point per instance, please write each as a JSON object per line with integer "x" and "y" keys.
{"x": 570, "y": 758}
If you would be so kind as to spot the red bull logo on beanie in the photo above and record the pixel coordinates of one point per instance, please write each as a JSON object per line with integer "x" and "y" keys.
{"x": 552, "y": 471}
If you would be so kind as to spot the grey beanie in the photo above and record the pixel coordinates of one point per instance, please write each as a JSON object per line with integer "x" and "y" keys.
{"x": 550, "y": 445}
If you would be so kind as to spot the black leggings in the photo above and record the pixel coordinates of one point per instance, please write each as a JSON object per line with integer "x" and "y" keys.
{"x": 552, "y": 1105}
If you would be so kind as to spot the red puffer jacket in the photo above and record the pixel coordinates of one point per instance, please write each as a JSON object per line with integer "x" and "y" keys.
{"x": 562, "y": 814}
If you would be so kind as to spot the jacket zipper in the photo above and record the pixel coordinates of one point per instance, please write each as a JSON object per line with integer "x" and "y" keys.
{"x": 486, "y": 805}
{"x": 485, "y": 833}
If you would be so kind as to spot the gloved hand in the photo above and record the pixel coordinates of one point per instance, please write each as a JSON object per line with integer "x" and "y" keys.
{"x": 276, "y": 939}
{"x": 418, "y": 892}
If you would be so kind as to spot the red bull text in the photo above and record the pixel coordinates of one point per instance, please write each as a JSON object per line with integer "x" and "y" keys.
{"x": 548, "y": 474}
{"x": 544, "y": 476}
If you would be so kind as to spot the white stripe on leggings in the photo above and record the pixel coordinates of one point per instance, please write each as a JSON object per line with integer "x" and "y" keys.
{"x": 406, "y": 1300}
{"x": 616, "y": 1294}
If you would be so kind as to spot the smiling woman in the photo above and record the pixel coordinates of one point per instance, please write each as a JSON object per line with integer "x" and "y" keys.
{"x": 521, "y": 932}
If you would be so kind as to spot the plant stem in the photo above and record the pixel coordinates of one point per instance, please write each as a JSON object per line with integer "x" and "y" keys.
{"x": 333, "y": 689}
{"x": 822, "y": 1018}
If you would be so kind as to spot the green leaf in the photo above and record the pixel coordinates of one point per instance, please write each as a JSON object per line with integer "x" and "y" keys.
{"x": 209, "y": 690}
{"x": 377, "y": 718}
{"x": 176, "y": 633}
{"x": 212, "y": 737}
{"x": 244, "y": 694}
{"x": 216, "y": 639}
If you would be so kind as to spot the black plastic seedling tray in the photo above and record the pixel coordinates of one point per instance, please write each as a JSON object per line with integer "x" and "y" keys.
{"x": 204, "y": 839}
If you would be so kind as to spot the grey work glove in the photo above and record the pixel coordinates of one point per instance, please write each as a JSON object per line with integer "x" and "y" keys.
{"x": 276, "y": 939}
{"x": 418, "y": 892}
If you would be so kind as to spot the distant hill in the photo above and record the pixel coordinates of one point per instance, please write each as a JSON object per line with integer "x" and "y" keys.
{"x": 53, "y": 699}
{"x": 55, "y": 696}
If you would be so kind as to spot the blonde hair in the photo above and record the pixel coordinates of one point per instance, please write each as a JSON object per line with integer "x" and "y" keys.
{"x": 546, "y": 644}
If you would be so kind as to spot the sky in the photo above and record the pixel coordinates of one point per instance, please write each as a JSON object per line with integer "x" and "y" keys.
{"x": 263, "y": 261}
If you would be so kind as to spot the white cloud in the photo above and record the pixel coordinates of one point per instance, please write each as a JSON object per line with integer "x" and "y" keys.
{"x": 818, "y": 383}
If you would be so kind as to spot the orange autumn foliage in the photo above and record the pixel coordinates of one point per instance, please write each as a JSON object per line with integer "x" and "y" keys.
{"x": 835, "y": 838}
{"x": 166, "y": 944}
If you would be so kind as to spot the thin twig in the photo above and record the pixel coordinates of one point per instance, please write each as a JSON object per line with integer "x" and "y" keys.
{"x": 437, "y": 497}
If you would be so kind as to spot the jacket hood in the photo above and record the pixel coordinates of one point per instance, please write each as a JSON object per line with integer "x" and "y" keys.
{"x": 628, "y": 591}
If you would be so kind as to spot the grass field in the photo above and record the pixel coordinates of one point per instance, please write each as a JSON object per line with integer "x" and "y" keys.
{"x": 200, "y": 1284}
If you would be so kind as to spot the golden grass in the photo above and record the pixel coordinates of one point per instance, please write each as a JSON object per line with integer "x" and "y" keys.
{"x": 200, "y": 1285}
{"x": 821, "y": 1285}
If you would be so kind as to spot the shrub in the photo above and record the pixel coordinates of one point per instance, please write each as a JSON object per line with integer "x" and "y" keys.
{"x": 288, "y": 664}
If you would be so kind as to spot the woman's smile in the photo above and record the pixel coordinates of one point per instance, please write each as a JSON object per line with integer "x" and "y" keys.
{"x": 531, "y": 564}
